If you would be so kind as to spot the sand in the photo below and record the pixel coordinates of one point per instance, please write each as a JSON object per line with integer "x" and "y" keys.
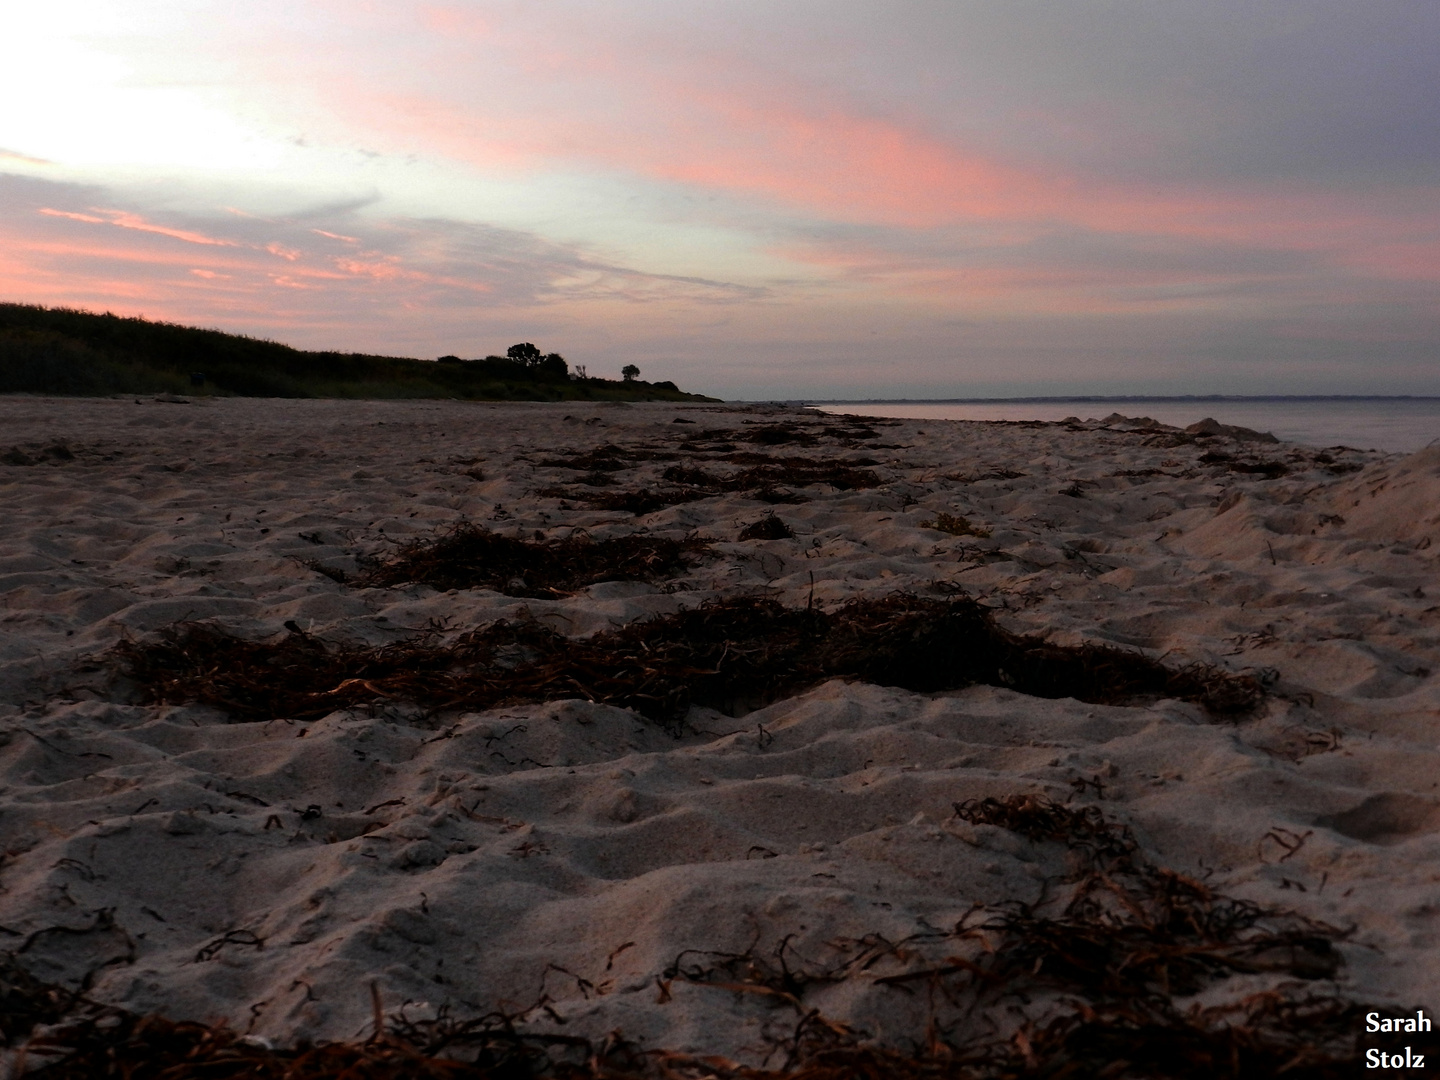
{"x": 568, "y": 853}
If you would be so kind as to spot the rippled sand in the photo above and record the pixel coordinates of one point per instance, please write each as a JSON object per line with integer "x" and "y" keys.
{"x": 571, "y": 851}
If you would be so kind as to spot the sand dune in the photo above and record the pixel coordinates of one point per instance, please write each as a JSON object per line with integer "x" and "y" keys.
{"x": 572, "y": 852}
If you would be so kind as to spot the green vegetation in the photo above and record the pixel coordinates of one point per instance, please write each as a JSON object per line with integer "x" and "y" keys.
{"x": 64, "y": 351}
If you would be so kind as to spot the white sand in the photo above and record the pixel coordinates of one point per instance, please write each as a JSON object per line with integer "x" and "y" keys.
{"x": 574, "y": 850}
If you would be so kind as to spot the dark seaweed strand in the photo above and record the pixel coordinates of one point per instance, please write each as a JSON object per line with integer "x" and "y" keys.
{"x": 734, "y": 654}
{"x": 471, "y": 556}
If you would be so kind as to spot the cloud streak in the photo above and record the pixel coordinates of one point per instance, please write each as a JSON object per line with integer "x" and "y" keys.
{"x": 123, "y": 219}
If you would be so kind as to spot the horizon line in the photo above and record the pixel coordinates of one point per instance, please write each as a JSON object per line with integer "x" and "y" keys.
{"x": 1091, "y": 398}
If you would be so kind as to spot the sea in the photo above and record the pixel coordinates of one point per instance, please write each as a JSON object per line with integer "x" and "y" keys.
{"x": 1396, "y": 424}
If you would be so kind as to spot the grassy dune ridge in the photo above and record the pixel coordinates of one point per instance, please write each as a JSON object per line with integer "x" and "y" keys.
{"x": 67, "y": 351}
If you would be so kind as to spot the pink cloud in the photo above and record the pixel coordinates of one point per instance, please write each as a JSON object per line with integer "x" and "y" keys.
{"x": 385, "y": 270}
{"x": 403, "y": 286}
{"x": 126, "y": 220}
{"x": 48, "y": 212}
{"x": 563, "y": 89}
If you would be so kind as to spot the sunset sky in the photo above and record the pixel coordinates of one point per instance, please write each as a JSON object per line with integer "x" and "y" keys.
{"x": 754, "y": 199}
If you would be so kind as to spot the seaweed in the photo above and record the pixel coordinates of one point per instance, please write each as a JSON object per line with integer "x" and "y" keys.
{"x": 54, "y": 453}
{"x": 1270, "y": 470}
{"x": 1132, "y": 930}
{"x": 955, "y": 525}
{"x": 643, "y": 501}
{"x": 796, "y": 472}
{"x": 1099, "y": 982}
{"x": 768, "y": 482}
{"x": 780, "y": 434}
{"x": 1266, "y": 1035}
{"x": 692, "y": 475}
{"x": 750, "y": 457}
{"x": 1099, "y": 977}
{"x": 472, "y": 557}
{"x": 1035, "y": 817}
{"x": 116, "y": 1043}
{"x": 26, "y": 1002}
{"x": 768, "y": 527}
{"x": 777, "y": 496}
{"x": 734, "y": 655}
{"x": 606, "y": 458}
{"x": 787, "y": 433}
{"x": 1089, "y": 986}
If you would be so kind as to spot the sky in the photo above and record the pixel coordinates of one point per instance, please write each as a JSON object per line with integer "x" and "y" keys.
{"x": 806, "y": 199}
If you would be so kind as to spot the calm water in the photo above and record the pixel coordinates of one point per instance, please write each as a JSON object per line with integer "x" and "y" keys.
{"x": 1396, "y": 424}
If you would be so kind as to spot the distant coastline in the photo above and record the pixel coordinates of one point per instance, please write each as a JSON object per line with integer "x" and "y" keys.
{"x": 1400, "y": 423}
{"x": 1081, "y": 399}
{"x": 68, "y": 352}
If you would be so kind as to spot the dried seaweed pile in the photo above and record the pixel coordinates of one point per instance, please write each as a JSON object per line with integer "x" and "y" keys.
{"x": 766, "y": 477}
{"x": 735, "y": 655}
{"x": 473, "y": 557}
{"x": 114, "y": 1043}
{"x": 1097, "y": 968}
{"x": 607, "y": 457}
{"x": 1335, "y": 468}
{"x": 769, "y": 480}
{"x": 1266, "y": 1037}
{"x": 788, "y": 461}
{"x": 793, "y": 473}
{"x": 768, "y": 527}
{"x": 641, "y": 501}
{"x": 1268, "y": 468}
{"x": 1086, "y": 987}
{"x": 955, "y": 525}
{"x": 782, "y": 433}
{"x": 26, "y": 1002}
{"x": 845, "y": 430}
{"x": 58, "y": 452}
{"x": 1131, "y": 931}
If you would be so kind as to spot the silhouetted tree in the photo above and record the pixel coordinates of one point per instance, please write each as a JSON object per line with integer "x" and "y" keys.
{"x": 630, "y": 372}
{"x": 525, "y": 353}
{"x": 553, "y": 367}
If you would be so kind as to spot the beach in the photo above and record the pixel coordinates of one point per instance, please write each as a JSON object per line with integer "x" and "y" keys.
{"x": 701, "y": 881}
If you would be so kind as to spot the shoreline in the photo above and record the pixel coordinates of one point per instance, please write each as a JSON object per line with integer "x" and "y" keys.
{"x": 479, "y": 857}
